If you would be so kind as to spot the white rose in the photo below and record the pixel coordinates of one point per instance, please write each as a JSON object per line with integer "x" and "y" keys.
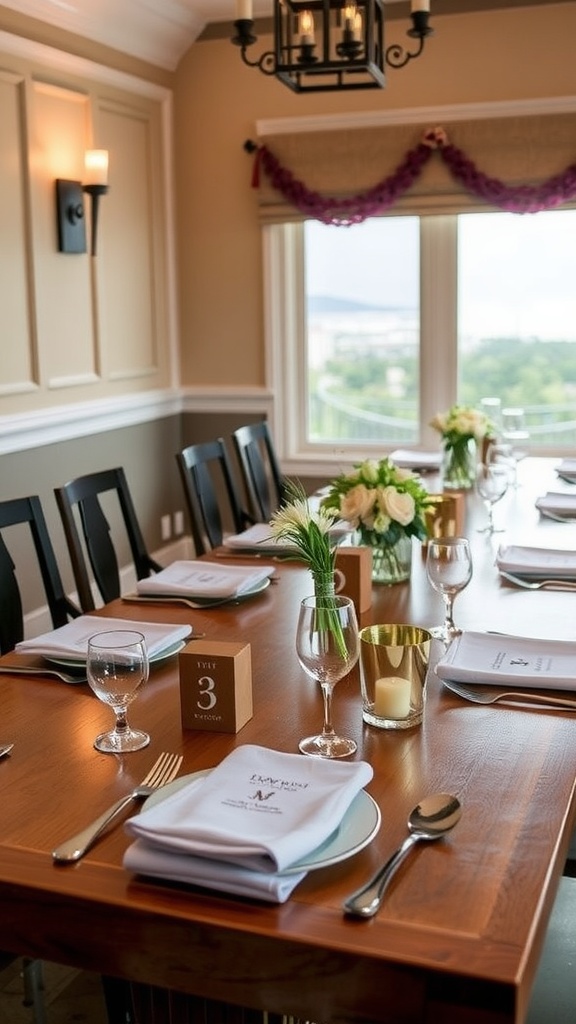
{"x": 356, "y": 505}
{"x": 399, "y": 507}
{"x": 439, "y": 422}
{"x": 368, "y": 471}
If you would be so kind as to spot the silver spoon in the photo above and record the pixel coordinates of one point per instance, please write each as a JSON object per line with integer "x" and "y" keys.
{"x": 5, "y": 749}
{"x": 431, "y": 819}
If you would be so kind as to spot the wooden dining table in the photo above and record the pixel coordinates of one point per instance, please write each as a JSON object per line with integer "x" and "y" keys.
{"x": 459, "y": 935}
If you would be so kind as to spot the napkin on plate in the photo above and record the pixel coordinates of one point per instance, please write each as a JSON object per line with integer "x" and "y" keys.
{"x": 512, "y": 660}
{"x": 71, "y": 640}
{"x": 204, "y": 580}
{"x": 567, "y": 470}
{"x": 406, "y": 459}
{"x": 261, "y": 809}
{"x": 259, "y": 538}
{"x": 557, "y": 503}
{"x": 259, "y": 812}
{"x": 547, "y": 563}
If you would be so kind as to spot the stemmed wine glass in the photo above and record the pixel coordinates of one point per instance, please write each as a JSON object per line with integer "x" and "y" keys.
{"x": 117, "y": 666}
{"x": 515, "y": 434}
{"x": 449, "y": 570}
{"x": 327, "y": 645}
{"x": 491, "y": 484}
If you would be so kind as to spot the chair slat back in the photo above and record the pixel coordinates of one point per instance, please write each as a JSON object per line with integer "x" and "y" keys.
{"x": 98, "y": 549}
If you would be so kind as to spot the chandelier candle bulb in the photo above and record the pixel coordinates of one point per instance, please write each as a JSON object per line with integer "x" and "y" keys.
{"x": 392, "y": 697}
{"x": 420, "y": 5}
{"x": 243, "y": 10}
{"x": 306, "y": 28}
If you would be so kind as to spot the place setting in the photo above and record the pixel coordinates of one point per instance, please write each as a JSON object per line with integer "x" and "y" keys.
{"x": 534, "y": 568}
{"x": 256, "y": 824}
{"x": 567, "y": 470}
{"x": 62, "y": 653}
{"x": 202, "y": 584}
{"x": 489, "y": 668}
{"x": 557, "y": 505}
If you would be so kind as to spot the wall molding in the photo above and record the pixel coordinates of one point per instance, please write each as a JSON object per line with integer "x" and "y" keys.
{"x": 417, "y": 115}
{"x": 23, "y": 431}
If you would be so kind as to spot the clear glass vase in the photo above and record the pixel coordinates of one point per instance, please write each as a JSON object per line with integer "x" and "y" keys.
{"x": 459, "y": 465}
{"x": 392, "y": 563}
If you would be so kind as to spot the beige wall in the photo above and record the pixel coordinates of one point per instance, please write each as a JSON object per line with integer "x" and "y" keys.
{"x": 524, "y": 53}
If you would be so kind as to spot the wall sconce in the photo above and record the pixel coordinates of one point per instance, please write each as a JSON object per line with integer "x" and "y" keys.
{"x": 70, "y": 203}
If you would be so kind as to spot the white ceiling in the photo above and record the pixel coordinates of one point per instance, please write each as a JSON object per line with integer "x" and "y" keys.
{"x": 158, "y": 31}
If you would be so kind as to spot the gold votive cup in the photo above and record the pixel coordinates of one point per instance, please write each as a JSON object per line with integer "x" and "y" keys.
{"x": 393, "y": 665}
{"x": 444, "y": 517}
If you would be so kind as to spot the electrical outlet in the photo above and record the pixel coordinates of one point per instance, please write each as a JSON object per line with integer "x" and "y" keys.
{"x": 166, "y": 527}
{"x": 178, "y": 523}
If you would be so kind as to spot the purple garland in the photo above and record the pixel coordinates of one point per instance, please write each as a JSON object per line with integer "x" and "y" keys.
{"x": 355, "y": 209}
{"x": 343, "y": 212}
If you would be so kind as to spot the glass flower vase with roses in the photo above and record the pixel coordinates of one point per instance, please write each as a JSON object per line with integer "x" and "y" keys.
{"x": 462, "y": 429}
{"x": 385, "y": 505}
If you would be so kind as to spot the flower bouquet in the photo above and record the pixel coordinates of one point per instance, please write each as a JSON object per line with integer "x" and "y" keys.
{"x": 461, "y": 428}
{"x": 385, "y": 505}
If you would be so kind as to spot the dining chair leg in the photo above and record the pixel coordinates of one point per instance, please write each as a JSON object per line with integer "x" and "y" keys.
{"x": 118, "y": 999}
{"x": 34, "y": 989}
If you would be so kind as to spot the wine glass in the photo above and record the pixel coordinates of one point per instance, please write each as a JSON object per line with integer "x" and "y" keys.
{"x": 449, "y": 570}
{"x": 327, "y": 645}
{"x": 515, "y": 433}
{"x": 491, "y": 484}
{"x": 117, "y": 666}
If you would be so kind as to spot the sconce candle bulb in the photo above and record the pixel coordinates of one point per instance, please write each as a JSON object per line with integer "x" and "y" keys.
{"x": 96, "y": 166}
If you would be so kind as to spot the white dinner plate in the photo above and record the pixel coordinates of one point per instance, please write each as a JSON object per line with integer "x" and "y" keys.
{"x": 358, "y": 827}
{"x": 155, "y": 659}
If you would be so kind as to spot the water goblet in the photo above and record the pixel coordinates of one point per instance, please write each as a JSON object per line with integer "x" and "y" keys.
{"x": 491, "y": 484}
{"x": 515, "y": 433}
{"x": 328, "y": 646}
{"x": 116, "y": 667}
{"x": 449, "y": 570}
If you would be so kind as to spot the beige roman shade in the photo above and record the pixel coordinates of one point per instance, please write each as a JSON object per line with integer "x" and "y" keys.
{"x": 516, "y": 150}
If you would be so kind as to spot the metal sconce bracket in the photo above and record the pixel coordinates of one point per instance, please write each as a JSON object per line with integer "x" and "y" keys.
{"x": 70, "y": 214}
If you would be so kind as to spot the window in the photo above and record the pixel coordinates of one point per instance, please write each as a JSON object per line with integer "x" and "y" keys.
{"x": 378, "y": 326}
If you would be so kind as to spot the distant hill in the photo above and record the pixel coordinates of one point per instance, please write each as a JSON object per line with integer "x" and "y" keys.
{"x": 330, "y": 304}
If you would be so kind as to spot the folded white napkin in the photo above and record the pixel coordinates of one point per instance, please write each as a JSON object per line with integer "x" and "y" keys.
{"x": 512, "y": 660}
{"x": 567, "y": 470}
{"x": 558, "y": 503}
{"x": 545, "y": 562}
{"x": 143, "y": 859}
{"x": 71, "y": 640}
{"x": 259, "y": 538}
{"x": 205, "y": 580}
{"x": 260, "y": 809}
{"x": 407, "y": 459}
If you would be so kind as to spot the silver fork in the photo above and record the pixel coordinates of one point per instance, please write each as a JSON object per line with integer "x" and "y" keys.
{"x": 66, "y": 677}
{"x": 162, "y": 772}
{"x": 539, "y": 584}
{"x": 491, "y": 695}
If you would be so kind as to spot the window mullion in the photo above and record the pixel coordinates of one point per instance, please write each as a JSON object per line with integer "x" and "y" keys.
{"x": 438, "y": 319}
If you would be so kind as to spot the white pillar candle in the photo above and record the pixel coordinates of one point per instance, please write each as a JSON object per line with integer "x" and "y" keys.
{"x": 392, "y": 697}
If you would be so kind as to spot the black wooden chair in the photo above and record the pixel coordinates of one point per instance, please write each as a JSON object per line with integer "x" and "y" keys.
{"x": 17, "y": 512}
{"x": 21, "y": 512}
{"x": 260, "y": 468}
{"x": 207, "y": 478}
{"x": 84, "y": 493}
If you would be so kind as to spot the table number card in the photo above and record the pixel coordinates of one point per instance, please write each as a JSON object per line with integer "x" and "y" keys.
{"x": 215, "y": 685}
{"x": 355, "y": 565}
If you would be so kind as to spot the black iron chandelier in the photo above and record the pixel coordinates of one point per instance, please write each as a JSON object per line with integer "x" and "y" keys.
{"x": 324, "y": 45}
